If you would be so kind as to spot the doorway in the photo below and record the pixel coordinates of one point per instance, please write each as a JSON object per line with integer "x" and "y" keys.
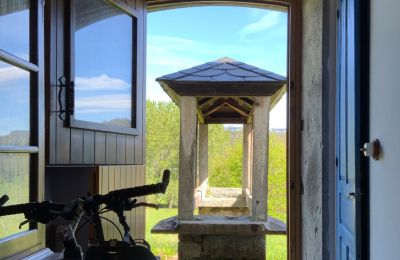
{"x": 293, "y": 105}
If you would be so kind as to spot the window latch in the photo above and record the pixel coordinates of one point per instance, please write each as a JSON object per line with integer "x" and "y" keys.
{"x": 68, "y": 88}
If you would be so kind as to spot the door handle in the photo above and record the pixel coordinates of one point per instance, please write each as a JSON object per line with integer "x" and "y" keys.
{"x": 372, "y": 149}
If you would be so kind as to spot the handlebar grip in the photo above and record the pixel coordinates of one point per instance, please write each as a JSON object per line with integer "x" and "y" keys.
{"x": 165, "y": 179}
{"x": 32, "y": 207}
{"x": 15, "y": 209}
{"x": 138, "y": 191}
{"x": 3, "y": 199}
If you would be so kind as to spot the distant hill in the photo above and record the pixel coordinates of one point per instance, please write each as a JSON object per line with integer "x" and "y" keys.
{"x": 16, "y": 137}
{"x": 118, "y": 121}
{"x": 279, "y": 130}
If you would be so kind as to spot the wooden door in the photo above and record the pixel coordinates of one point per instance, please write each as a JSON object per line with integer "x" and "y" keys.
{"x": 348, "y": 193}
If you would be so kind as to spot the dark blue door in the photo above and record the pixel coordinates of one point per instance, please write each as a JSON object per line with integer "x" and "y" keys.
{"x": 347, "y": 134}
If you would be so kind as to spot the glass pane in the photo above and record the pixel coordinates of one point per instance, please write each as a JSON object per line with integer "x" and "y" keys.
{"x": 103, "y": 64}
{"x": 14, "y": 181}
{"x": 14, "y": 27}
{"x": 14, "y": 105}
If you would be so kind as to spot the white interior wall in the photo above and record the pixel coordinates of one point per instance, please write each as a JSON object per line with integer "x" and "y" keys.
{"x": 385, "y": 125}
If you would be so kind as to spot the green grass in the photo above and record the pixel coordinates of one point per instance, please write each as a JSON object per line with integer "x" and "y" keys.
{"x": 161, "y": 245}
{"x": 166, "y": 245}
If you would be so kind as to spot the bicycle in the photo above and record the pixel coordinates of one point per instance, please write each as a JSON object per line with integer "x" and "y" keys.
{"x": 90, "y": 209}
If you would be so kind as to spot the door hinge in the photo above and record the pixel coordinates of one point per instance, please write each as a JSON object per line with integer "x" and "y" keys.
{"x": 291, "y": 86}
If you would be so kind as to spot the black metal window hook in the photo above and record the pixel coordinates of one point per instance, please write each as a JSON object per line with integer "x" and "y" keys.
{"x": 69, "y": 104}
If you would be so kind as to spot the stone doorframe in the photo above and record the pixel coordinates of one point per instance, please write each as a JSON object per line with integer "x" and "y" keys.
{"x": 294, "y": 10}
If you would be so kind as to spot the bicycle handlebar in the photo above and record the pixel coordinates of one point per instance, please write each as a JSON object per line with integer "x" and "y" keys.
{"x": 45, "y": 211}
{"x": 138, "y": 191}
{"x": 3, "y": 199}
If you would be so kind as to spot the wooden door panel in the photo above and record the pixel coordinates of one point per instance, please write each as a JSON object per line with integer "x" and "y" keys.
{"x": 347, "y": 135}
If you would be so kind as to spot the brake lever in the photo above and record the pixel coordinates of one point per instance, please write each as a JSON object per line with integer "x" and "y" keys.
{"x": 145, "y": 204}
{"x": 25, "y": 222}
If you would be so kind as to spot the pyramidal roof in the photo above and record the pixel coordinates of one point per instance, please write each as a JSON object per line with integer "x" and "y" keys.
{"x": 224, "y": 69}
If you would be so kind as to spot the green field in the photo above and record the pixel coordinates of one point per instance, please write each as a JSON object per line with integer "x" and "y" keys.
{"x": 166, "y": 245}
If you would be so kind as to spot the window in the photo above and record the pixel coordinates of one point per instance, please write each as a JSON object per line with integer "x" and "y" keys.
{"x": 20, "y": 77}
{"x": 103, "y": 67}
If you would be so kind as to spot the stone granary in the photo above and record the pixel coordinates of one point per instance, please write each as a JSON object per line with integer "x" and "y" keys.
{"x": 232, "y": 222}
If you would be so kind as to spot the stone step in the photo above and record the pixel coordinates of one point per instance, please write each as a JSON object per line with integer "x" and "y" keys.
{"x": 239, "y": 201}
{"x": 216, "y": 192}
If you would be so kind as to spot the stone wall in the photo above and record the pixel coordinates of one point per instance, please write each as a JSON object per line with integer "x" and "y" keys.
{"x": 311, "y": 162}
{"x": 199, "y": 247}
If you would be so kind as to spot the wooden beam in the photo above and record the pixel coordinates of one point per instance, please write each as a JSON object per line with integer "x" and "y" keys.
{"x": 260, "y": 159}
{"x": 205, "y": 102}
{"x": 224, "y": 89}
{"x": 238, "y": 108}
{"x": 243, "y": 102}
{"x": 277, "y": 97}
{"x": 225, "y": 120}
{"x": 187, "y": 157}
{"x": 217, "y": 105}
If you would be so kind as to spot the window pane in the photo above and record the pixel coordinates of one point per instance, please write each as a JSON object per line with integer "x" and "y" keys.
{"x": 14, "y": 105}
{"x": 103, "y": 64}
{"x": 15, "y": 15}
{"x": 14, "y": 181}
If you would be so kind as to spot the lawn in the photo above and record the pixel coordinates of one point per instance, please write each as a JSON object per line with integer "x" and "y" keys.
{"x": 166, "y": 245}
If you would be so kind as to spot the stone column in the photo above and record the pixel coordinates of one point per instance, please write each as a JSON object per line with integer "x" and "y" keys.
{"x": 260, "y": 158}
{"x": 187, "y": 157}
{"x": 246, "y": 157}
{"x": 203, "y": 157}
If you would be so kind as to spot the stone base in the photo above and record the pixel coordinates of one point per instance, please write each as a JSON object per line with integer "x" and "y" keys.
{"x": 218, "y": 237}
{"x": 197, "y": 247}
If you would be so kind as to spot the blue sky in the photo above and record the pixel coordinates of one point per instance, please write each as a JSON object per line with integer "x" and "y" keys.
{"x": 182, "y": 38}
{"x": 176, "y": 39}
{"x": 14, "y": 82}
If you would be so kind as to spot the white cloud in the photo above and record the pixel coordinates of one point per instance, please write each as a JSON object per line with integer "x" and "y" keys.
{"x": 267, "y": 21}
{"x": 12, "y": 74}
{"x": 103, "y": 103}
{"x": 101, "y": 82}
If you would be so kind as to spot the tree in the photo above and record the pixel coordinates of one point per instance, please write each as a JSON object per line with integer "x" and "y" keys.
{"x": 162, "y": 147}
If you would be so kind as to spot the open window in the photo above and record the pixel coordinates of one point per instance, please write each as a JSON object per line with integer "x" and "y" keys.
{"x": 95, "y": 82}
{"x": 101, "y": 67}
{"x": 21, "y": 128}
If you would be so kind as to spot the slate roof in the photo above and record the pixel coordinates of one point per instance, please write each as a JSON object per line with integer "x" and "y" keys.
{"x": 223, "y": 70}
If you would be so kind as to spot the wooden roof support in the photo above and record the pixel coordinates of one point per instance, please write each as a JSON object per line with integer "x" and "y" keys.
{"x": 217, "y": 105}
{"x": 237, "y": 107}
{"x": 244, "y": 102}
{"x": 206, "y": 102}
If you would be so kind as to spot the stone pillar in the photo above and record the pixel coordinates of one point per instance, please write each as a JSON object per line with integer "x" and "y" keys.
{"x": 187, "y": 157}
{"x": 246, "y": 157}
{"x": 260, "y": 158}
{"x": 203, "y": 157}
